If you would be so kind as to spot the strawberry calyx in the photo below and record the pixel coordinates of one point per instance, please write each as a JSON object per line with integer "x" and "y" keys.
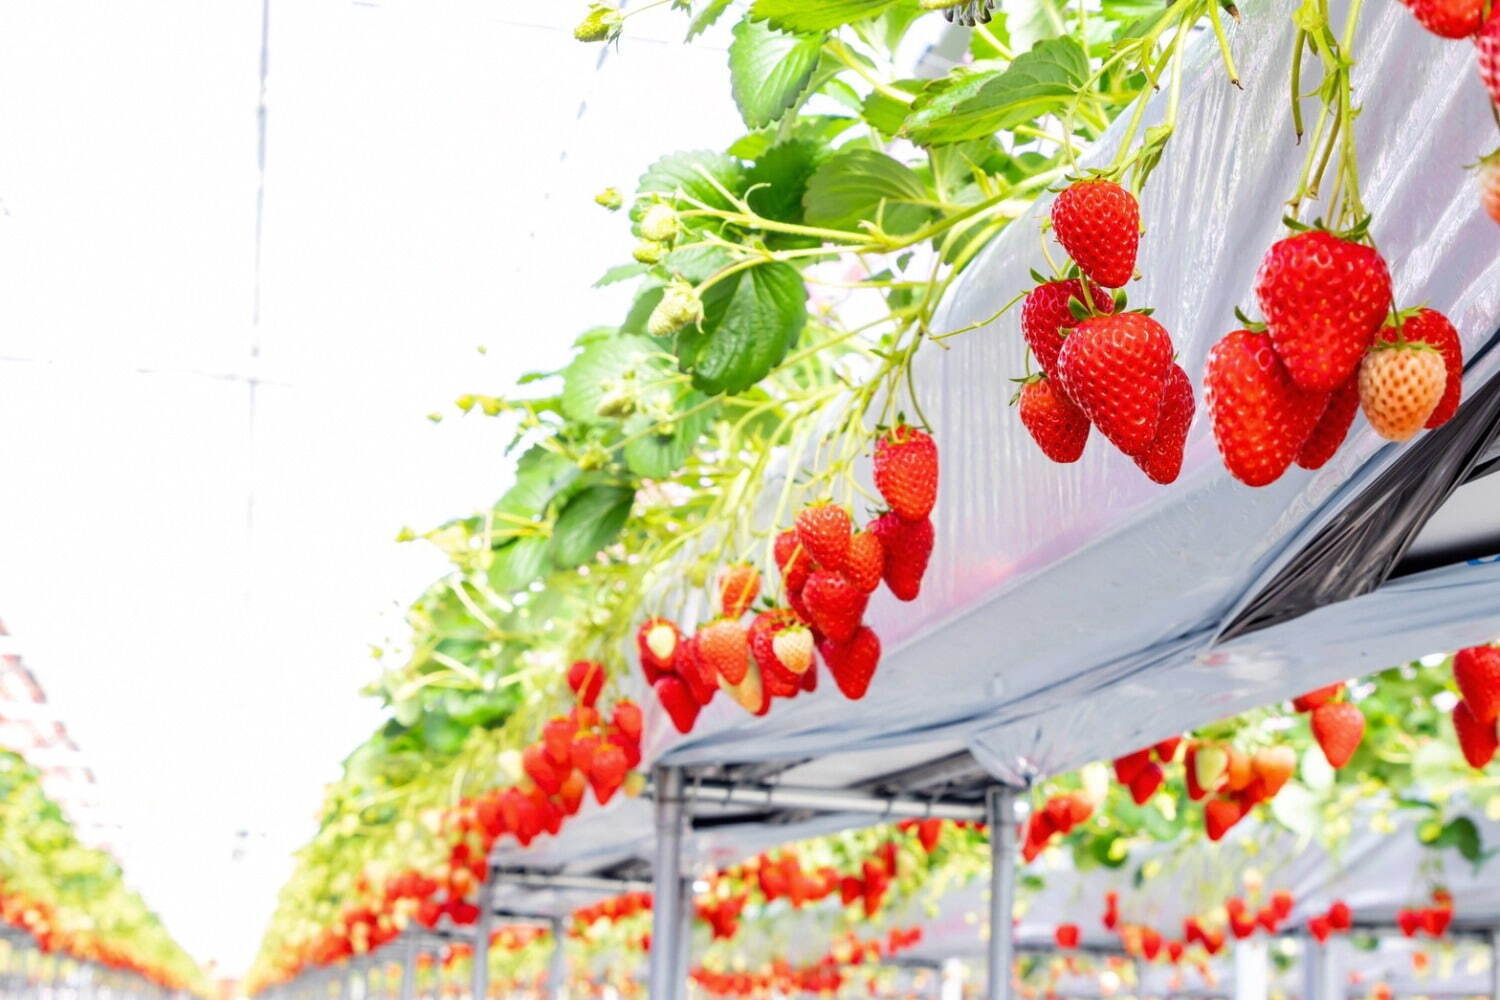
{"x": 1254, "y": 326}
{"x": 1359, "y": 232}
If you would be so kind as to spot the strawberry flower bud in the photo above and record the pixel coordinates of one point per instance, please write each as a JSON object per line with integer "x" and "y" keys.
{"x": 600, "y": 24}
{"x": 609, "y": 198}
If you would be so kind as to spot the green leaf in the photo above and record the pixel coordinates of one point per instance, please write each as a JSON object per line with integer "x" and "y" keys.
{"x": 1296, "y": 808}
{"x": 696, "y": 263}
{"x": 517, "y": 564}
{"x": 590, "y": 521}
{"x": 442, "y": 733}
{"x": 605, "y": 381}
{"x": 750, "y": 321}
{"x": 866, "y": 185}
{"x": 769, "y": 70}
{"x": 782, "y": 175}
{"x": 659, "y": 453}
{"x": 619, "y": 273}
{"x": 1030, "y": 21}
{"x": 1041, "y": 81}
{"x": 819, "y": 129}
{"x": 816, "y": 15}
{"x": 540, "y": 475}
{"x": 884, "y": 114}
{"x": 706, "y": 18}
{"x": 646, "y": 299}
{"x": 688, "y": 173}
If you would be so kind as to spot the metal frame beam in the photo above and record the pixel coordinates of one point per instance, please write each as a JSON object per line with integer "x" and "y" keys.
{"x": 568, "y": 883}
{"x": 825, "y": 800}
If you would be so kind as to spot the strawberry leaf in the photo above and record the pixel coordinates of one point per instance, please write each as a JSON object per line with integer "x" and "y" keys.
{"x": 769, "y": 70}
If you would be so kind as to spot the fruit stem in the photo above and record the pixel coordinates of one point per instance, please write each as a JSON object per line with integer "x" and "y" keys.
{"x": 1223, "y": 39}
{"x": 1353, "y": 206}
{"x": 1297, "y": 48}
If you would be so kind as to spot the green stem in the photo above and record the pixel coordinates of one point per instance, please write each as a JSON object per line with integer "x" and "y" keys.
{"x": 1297, "y": 48}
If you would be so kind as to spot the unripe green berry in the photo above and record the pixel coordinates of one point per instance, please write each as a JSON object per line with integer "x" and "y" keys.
{"x": 679, "y": 307}
{"x": 660, "y": 224}
{"x": 600, "y": 24}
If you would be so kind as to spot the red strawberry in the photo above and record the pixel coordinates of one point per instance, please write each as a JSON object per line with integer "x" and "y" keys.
{"x": 1260, "y": 417}
{"x": 1323, "y": 695}
{"x": 557, "y": 736}
{"x": 929, "y": 832}
{"x": 1162, "y": 459}
{"x": 810, "y": 677}
{"x": 656, "y": 640}
{"x": 1115, "y": 368}
{"x": 584, "y": 748}
{"x": 824, "y": 530}
{"x": 793, "y": 561}
{"x": 699, "y": 676}
{"x": 1478, "y": 740}
{"x": 1166, "y": 750}
{"x": 1488, "y": 45}
{"x": 906, "y": 474}
{"x": 1338, "y": 727}
{"x": 679, "y": 702}
{"x": 1428, "y": 326}
{"x": 607, "y": 772}
{"x": 1174, "y": 951}
{"x": 1219, "y": 816}
{"x": 586, "y": 678}
{"x": 835, "y": 604}
{"x": 779, "y": 681}
{"x": 908, "y": 548}
{"x": 1130, "y": 765}
{"x": 627, "y": 719}
{"x": 572, "y": 790}
{"x": 1324, "y": 298}
{"x": 540, "y": 769}
{"x": 1332, "y": 427}
{"x": 1318, "y": 927}
{"x": 739, "y": 585}
{"x": 1099, "y": 224}
{"x": 1282, "y": 904}
{"x": 1273, "y": 766}
{"x": 1488, "y": 168}
{"x": 850, "y": 889}
{"x": 1435, "y": 920}
{"x": 1339, "y": 916}
{"x": 1477, "y": 671}
{"x": 1410, "y": 921}
{"x": 1067, "y": 936}
{"x": 1400, "y": 386}
{"x": 852, "y": 663}
{"x": 724, "y": 649}
{"x": 864, "y": 562}
{"x": 1448, "y": 18}
{"x": 1045, "y": 317}
{"x": 1058, "y": 427}
{"x": 1146, "y": 782}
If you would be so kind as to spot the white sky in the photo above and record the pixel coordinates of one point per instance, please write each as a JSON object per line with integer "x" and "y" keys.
{"x": 197, "y": 513}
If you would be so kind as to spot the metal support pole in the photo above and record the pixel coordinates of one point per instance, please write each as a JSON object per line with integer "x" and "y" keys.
{"x": 684, "y": 941}
{"x": 666, "y": 904}
{"x": 557, "y": 968}
{"x": 1323, "y": 976}
{"x": 1252, "y": 970}
{"x": 409, "y": 968}
{"x": 481, "y": 968}
{"x": 1000, "y": 814}
{"x": 346, "y": 982}
{"x": 1495, "y": 964}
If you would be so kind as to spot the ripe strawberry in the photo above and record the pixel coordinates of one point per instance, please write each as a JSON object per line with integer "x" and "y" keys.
{"x": 540, "y": 769}
{"x": 723, "y": 650}
{"x": 1339, "y": 916}
{"x": 1273, "y": 767}
{"x": 1488, "y": 45}
{"x": 824, "y": 531}
{"x": 1410, "y": 921}
{"x": 1400, "y": 385}
{"x": 852, "y": 663}
{"x": 557, "y": 736}
{"x": 1099, "y": 224}
{"x": 1131, "y": 765}
{"x": 793, "y": 648}
{"x": 906, "y": 474}
{"x": 1058, "y": 427}
{"x": 1489, "y": 166}
{"x": 697, "y": 675}
{"x": 1322, "y": 696}
{"x": 1162, "y": 459}
{"x": 607, "y": 772}
{"x": 1478, "y": 740}
{"x": 929, "y": 832}
{"x": 1332, "y": 427}
{"x": 586, "y": 678}
{"x": 1115, "y": 368}
{"x": 835, "y": 604}
{"x": 793, "y": 561}
{"x": 908, "y": 548}
{"x": 1430, "y": 327}
{"x": 1323, "y": 298}
{"x": 1067, "y": 936}
{"x": 865, "y": 562}
{"x": 739, "y": 585}
{"x": 1318, "y": 928}
{"x": 1282, "y": 904}
{"x": 571, "y": 793}
{"x": 679, "y": 702}
{"x": 1435, "y": 920}
{"x": 627, "y": 719}
{"x": 1046, "y": 318}
{"x": 779, "y": 681}
{"x": 656, "y": 640}
{"x": 1260, "y": 416}
{"x": 1477, "y": 671}
{"x": 1219, "y": 816}
{"x": 1338, "y": 727}
{"x": 1448, "y": 18}
{"x": 1146, "y": 782}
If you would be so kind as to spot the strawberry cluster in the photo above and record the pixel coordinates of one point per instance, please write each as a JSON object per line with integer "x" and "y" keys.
{"x": 1287, "y": 390}
{"x": 828, "y": 572}
{"x": 1057, "y": 817}
{"x": 824, "y": 977}
{"x": 1430, "y": 920}
{"x": 42, "y": 923}
{"x": 1338, "y": 919}
{"x": 1476, "y": 670}
{"x": 1240, "y": 919}
{"x": 1101, "y": 367}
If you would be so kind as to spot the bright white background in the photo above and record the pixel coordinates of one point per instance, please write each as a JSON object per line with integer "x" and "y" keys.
{"x": 197, "y": 511}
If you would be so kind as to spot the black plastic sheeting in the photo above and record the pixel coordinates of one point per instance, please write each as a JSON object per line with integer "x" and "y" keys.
{"x": 1361, "y": 547}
